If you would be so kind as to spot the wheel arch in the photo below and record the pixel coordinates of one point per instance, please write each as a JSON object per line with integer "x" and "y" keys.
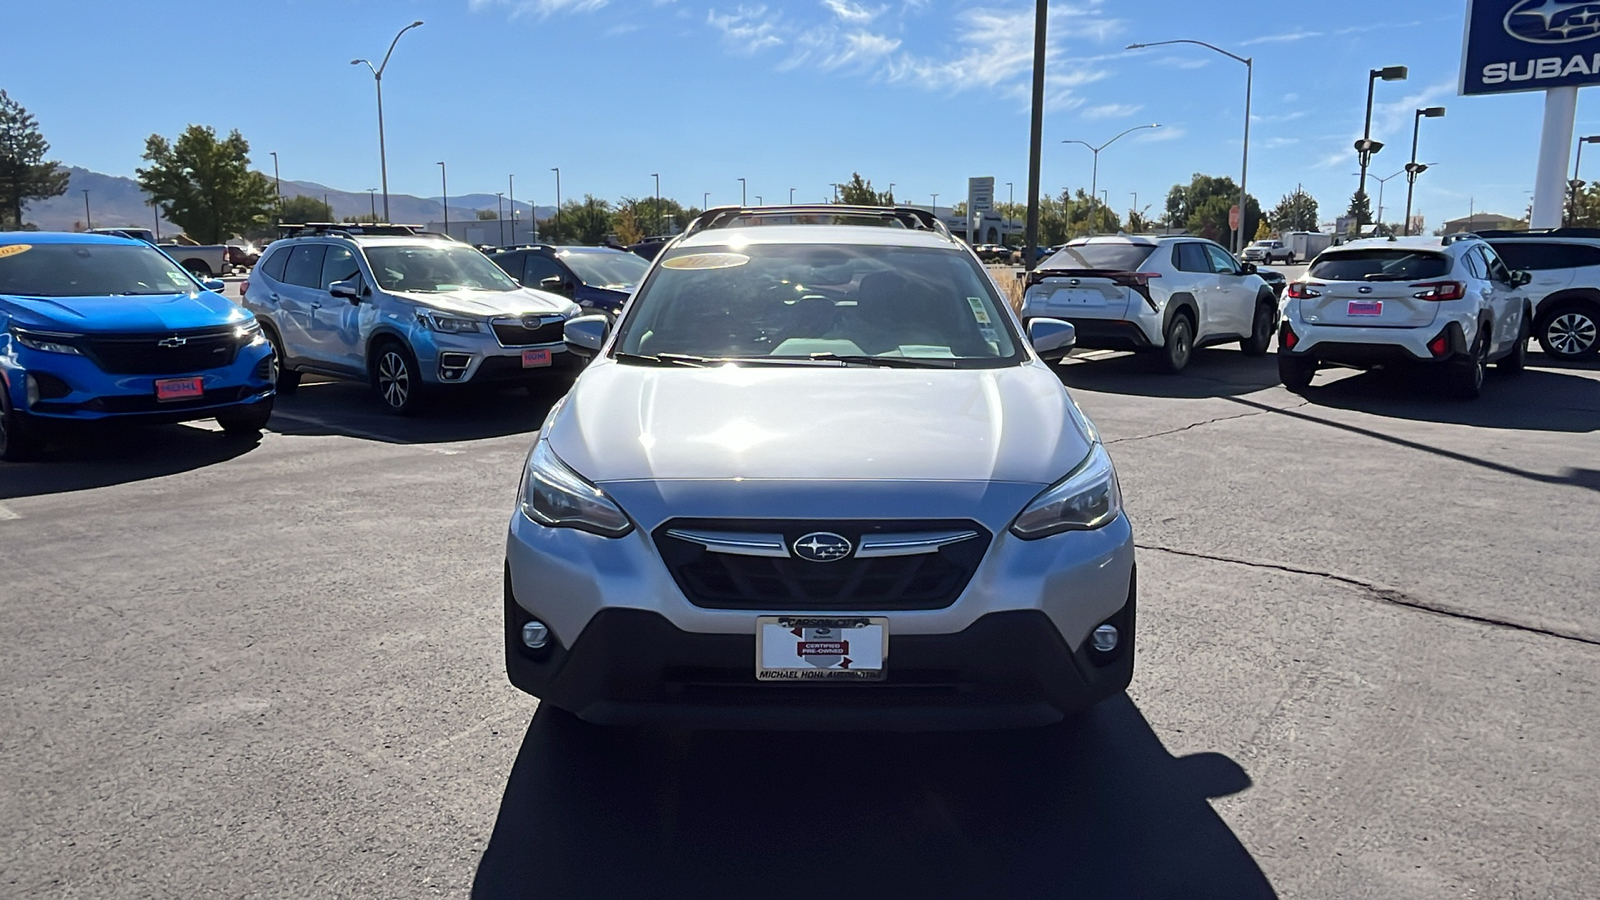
{"x": 1546, "y": 307}
{"x": 1179, "y": 302}
{"x": 385, "y": 334}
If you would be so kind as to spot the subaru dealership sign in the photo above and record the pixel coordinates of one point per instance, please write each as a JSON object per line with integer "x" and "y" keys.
{"x": 1530, "y": 45}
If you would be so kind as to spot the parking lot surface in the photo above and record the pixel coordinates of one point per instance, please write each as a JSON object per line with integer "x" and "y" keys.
{"x": 1369, "y": 665}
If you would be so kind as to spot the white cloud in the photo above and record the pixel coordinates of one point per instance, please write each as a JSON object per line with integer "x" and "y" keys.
{"x": 852, "y": 13}
{"x": 1183, "y": 62}
{"x": 1284, "y": 38}
{"x": 748, "y": 29}
{"x": 1110, "y": 111}
{"x": 1161, "y": 135}
{"x": 540, "y": 8}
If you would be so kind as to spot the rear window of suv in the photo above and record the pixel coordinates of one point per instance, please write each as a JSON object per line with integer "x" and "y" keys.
{"x": 1380, "y": 265}
{"x": 1105, "y": 256}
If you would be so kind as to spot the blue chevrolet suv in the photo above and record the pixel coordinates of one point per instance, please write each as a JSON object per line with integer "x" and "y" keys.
{"x": 96, "y": 328}
{"x": 599, "y": 279}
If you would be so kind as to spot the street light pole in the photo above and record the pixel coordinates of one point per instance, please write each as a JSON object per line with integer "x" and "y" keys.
{"x": 891, "y": 192}
{"x": 760, "y": 201}
{"x": 705, "y": 200}
{"x": 500, "y": 214}
{"x": 511, "y": 186}
{"x": 1094, "y": 180}
{"x": 1382, "y": 183}
{"x": 657, "y": 177}
{"x": 377, "y": 77}
{"x": 372, "y": 200}
{"x": 277, "y": 185}
{"x": 791, "y": 195}
{"x": 1576, "y": 185}
{"x": 88, "y": 221}
{"x": 557, "y": 170}
{"x": 1412, "y": 170}
{"x": 444, "y": 188}
{"x": 1365, "y": 148}
{"x": 741, "y": 192}
{"x": 936, "y": 206}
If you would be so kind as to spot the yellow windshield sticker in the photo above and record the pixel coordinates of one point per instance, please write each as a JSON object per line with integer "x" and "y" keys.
{"x": 706, "y": 261}
{"x": 14, "y": 249}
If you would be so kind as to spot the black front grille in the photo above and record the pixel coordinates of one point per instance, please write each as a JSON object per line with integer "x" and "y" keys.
{"x": 728, "y": 581}
{"x": 168, "y": 353}
{"x": 549, "y": 332}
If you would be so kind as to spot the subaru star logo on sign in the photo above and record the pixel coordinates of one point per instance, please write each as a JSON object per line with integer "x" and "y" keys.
{"x": 822, "y": 546}
{"x": 1530, "y": 45}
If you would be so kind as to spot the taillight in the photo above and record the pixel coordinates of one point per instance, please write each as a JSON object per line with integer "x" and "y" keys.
{"x": 1134, "y": 279}
{"x": 1303, "y": 290}
{"x": 244, "y": 286}
{"x": 1440, "y": 290}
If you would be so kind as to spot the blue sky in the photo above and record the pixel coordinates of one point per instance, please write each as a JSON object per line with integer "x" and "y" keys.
{"x": 794, "y": 94}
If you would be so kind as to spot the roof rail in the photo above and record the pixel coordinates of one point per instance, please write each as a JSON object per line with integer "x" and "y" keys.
{"x": 1543, "y": 232}
{"x": 354, "y": 229}
{"x": 1449, "y": 239}
{"x": 818, "y": 214}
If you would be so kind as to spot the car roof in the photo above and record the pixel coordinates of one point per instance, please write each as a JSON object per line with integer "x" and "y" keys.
{"x": 63, "y": 237}
{"x": 863, "y": 235}
{"x": 372, "y": 240}
{"x": 1399, "y": 243}
{"x": 1147, "y": 240}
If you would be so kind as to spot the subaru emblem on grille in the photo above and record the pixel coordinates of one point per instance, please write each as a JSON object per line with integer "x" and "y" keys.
{"x": 532, "y": 323}
{"x": 173, "y": 341}
{"x": 822, "y": 546}
{"x": 1364, "y": 289}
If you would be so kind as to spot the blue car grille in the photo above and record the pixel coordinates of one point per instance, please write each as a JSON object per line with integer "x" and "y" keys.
{"x": 165, "y": 353}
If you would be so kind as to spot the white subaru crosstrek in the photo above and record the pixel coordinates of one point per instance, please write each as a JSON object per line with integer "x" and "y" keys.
{"x": 1452, "y": 304}
{"x": 1154, "y": 293}
{"x": 818, "y": 477}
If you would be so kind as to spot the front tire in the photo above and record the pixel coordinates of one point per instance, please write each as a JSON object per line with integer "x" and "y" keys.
{"x": 1464, "y": 377}
{"x": 1571, "y": 332}
{"x": 246, "y": 423}
{"x": 1516, "y": 361}
{"x": 1296, "y": 373}
{"x": 396, "y": 378}
{"x": 1261, "y": 331}
{"x": 1178, "y": 346}
{"x": 19, "y": 440}
{"x": 285, "y": 380}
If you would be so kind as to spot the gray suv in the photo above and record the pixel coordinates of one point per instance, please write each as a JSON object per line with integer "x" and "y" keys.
{"x": 819, "y": 476}
{"x": 404, "y": 311}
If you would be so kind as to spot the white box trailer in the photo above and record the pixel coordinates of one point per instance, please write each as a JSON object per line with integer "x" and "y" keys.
{"x": 1307, "y": 244}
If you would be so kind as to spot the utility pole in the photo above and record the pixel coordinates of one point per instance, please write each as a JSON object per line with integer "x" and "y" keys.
{"x": 500, "y": 214}
{"x": 377, "y": 77}
{"x": 88, "y": 222}
{"x": 1041, "y": 15}
{"x": 511, "y": 186}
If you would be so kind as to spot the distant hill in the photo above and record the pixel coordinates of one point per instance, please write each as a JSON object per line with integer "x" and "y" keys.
{"x": 115, "y": 200}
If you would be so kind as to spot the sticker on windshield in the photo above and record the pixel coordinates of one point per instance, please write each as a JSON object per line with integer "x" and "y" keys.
{"x": 14, "y": 249}
{"x": 180, "y": 280}
{"x": 706, "y": 261}
{"x": 980, "y": 314}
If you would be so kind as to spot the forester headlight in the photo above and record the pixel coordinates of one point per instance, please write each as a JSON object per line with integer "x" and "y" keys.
{"x": 449, "y": 324}
{"x": 1087, "y": 498}
{"x": 554, "y": 495}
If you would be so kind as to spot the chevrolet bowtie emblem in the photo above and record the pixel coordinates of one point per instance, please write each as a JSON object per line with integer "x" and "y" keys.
{"x": 173, "y": 341}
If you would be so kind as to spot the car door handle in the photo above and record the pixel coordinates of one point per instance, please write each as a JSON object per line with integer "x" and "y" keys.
{"x": 274, "y": 298}
{"x": 316, "y": 304}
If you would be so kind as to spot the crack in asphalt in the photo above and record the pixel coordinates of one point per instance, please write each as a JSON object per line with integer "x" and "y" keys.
{"x": 1262, "y": 412}
{"x": 1382, "y": 594}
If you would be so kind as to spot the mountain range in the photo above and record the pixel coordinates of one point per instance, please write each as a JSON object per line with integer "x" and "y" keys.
{"x": 114, "y": 200}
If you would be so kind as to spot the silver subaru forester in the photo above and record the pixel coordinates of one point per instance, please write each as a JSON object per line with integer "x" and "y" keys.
{"x": 818, "y": 478}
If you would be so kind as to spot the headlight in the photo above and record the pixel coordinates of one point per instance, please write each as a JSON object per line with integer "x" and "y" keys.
{"x": 1086, "y": 499}
{"x": 449, "y": 324}
{"x": 249, "y": 333}
{"x": 554, "y": 495}
{"x": 47, "y": 341}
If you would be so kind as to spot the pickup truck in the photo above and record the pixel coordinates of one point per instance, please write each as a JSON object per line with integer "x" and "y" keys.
{"x": 203, "y": 260}
{"x": 1268, "y": 251}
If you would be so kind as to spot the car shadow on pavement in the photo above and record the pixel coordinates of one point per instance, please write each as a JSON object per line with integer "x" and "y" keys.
{"x": 100, "y": 457}
{"x": 1096, "y": 808}
{"x": 351, "y": 410}
{"x": 1539, "y": 399}
{"x": 1214, "y": 372}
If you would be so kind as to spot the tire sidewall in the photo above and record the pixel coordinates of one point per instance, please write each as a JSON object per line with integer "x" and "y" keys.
{"x": 384, "y": 351}
{"x": 1566, "y": 309}
{"x": 1178, "y": 347}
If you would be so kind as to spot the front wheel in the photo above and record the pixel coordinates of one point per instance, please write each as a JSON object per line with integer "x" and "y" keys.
{"x": 1516, "y": 361}
{"x": 1260, "y": 332}
{"x": 1179, "y": 345}
{"x": 1464, "y": 377}
{"x": 1295, "y": 373}
{"x": 19, "y": 441}
{"x": 1571, "y": 332}
{"x": 397, "y": 379}
{"x": 286, "y": 380}
{"x": 248, "y": 422}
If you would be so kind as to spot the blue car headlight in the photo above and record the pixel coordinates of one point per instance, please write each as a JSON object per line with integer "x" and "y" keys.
{"x": 248, "y": 333}
{"x": 47, "y": 341}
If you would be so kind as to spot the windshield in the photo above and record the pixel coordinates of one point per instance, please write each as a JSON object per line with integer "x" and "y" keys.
{"x": 436, "y": 270}
{"x": 1109, "y": 256}
{"x": 1380, "y": 265}
{"x": 607, "y": 269}
{"x": 89, "y": 270}
{"x": 787, "y": 301}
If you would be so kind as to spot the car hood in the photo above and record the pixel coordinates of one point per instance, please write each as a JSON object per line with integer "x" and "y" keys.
{"x": 159, "y": 312}
{"x": 627, "y": 422}
{"x": 493, "y": 303}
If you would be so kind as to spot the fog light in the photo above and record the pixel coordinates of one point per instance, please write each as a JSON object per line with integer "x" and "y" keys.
{"x": 33, "y": 391}
{"x": 536, "y": 634}
{"x": 1104, "y": 638}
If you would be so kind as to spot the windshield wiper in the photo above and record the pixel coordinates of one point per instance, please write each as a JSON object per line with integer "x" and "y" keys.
{"x": 887, "y": 362}
{"x": 663, "y": 359}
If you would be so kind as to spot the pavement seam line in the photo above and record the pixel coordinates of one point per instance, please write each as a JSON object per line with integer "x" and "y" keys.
{"x": 1193, "y": 425}
{"x": 1382, "y": 594}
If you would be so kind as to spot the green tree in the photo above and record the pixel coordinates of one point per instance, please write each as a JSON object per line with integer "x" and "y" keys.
{"x": 1360, "y": 209}
{"x": 585, "y": 221}
{"x": 488, "y": 215}
{"x": 302, "y": 209}
{"x": 24, "y": 173}
{"x": 858, "y": 192}
{"x": 625, "y": 225}
{"x": 205, "y": 185}
{"x": 1295, "y": 212}
{"x": 666, "y": 216}
{"x": 1202, "y": 206}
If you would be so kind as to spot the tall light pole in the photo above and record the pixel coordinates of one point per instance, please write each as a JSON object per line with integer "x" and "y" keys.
{"x": 88, "y": 221}
{"x": 377, "y": 77}
{"x": 557, "y": 170}
{"x": 500, "y": 214}
{"x": 1367, "y": 146}
{"x": 705, "y": 200}
{"x": 1041, "y": 17}
{"x": 511, "y": 198}
{"x": 791, "y": 196}
{"x": 657, "y": 177}
{"x": 1249, "y": 83}
{"x": 1094, "y": 180}
{"x": 1412, "y": 171}
{"x": 444, "y": 188}
{"x": 741, "y": 192}
{"x": 760, "y": 201}
{"x": 936, "y": 206}
{"x": 277, "y": 185}
{"x": 372, "y": 200}
{"x": 1382, "y": 182}
{"x": 1576, "y": 184}
{"x": 835, "y": 187}
{"x": 891, "y": 192}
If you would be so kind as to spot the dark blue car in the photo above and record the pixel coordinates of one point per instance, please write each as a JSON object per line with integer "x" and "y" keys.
{"x": 96, "y": 328}
{"x": 599, "y": 279}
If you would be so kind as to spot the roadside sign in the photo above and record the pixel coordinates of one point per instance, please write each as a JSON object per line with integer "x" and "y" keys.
{"x": 980, "y": 194}
{"x": 1233, "y": 217}
{"x": 1529, "y": 45}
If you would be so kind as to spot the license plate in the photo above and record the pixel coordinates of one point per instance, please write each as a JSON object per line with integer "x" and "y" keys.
{"x": 179, "y": 388}
{"x": 533, "y": 359}
{"x": 1366, "y": 307}
{"x": 1077, "y": 296}
{"x": 821, "y": 648}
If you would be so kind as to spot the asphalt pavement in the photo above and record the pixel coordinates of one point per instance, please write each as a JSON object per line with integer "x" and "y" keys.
{"x": 1369, "y": 666}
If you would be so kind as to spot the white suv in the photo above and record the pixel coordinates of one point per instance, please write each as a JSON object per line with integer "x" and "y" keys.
{"x": 1155, "y": 293}
{"x": 1397, "y": 301}
{"x": 1565, "y": 291}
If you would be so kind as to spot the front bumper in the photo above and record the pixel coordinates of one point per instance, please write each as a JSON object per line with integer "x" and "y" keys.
{"x": 480, "y": 359}
{"x": 634, "y": 668}
{"x": 93, "y": 395}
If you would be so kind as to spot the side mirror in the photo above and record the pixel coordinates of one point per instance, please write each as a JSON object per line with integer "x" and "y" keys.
{"x": 1247, "y": 268}
{"x": 215, "y": 284}
{"x": 1521, "y": 277}
{"x": 555, "y": 284}
{"x": 1051, "y": 338}
{"x": 586, "y": 333}
{"x": 345, "y": 290}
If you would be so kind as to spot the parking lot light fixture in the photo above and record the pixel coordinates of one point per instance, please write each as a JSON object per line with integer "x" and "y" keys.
{"x": 1576, "y": 184}
{"x": 1367, "y": 146}
{"x": 377, "y": 77}
{"x": 1432, "y": 112}
{"x": 444, "y": 189}
{"x": 500, "y": 214}
{"x": 791, "y": 195}
{"x": 657, "y": 177}
{"x": 1094, "y": 180}
{"x": 742, "y": 187}
{"x": 372, "y": 201}
{"x": 88, "y": 221}
{"x": 277, "y": 185}
{"x": 557, "y": 170}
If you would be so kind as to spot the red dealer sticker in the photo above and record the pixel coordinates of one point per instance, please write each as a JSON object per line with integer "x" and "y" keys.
{"x": 1366, "y": 308}
{"x": 179, "y": 388}
{"x": 532, "y": 359}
